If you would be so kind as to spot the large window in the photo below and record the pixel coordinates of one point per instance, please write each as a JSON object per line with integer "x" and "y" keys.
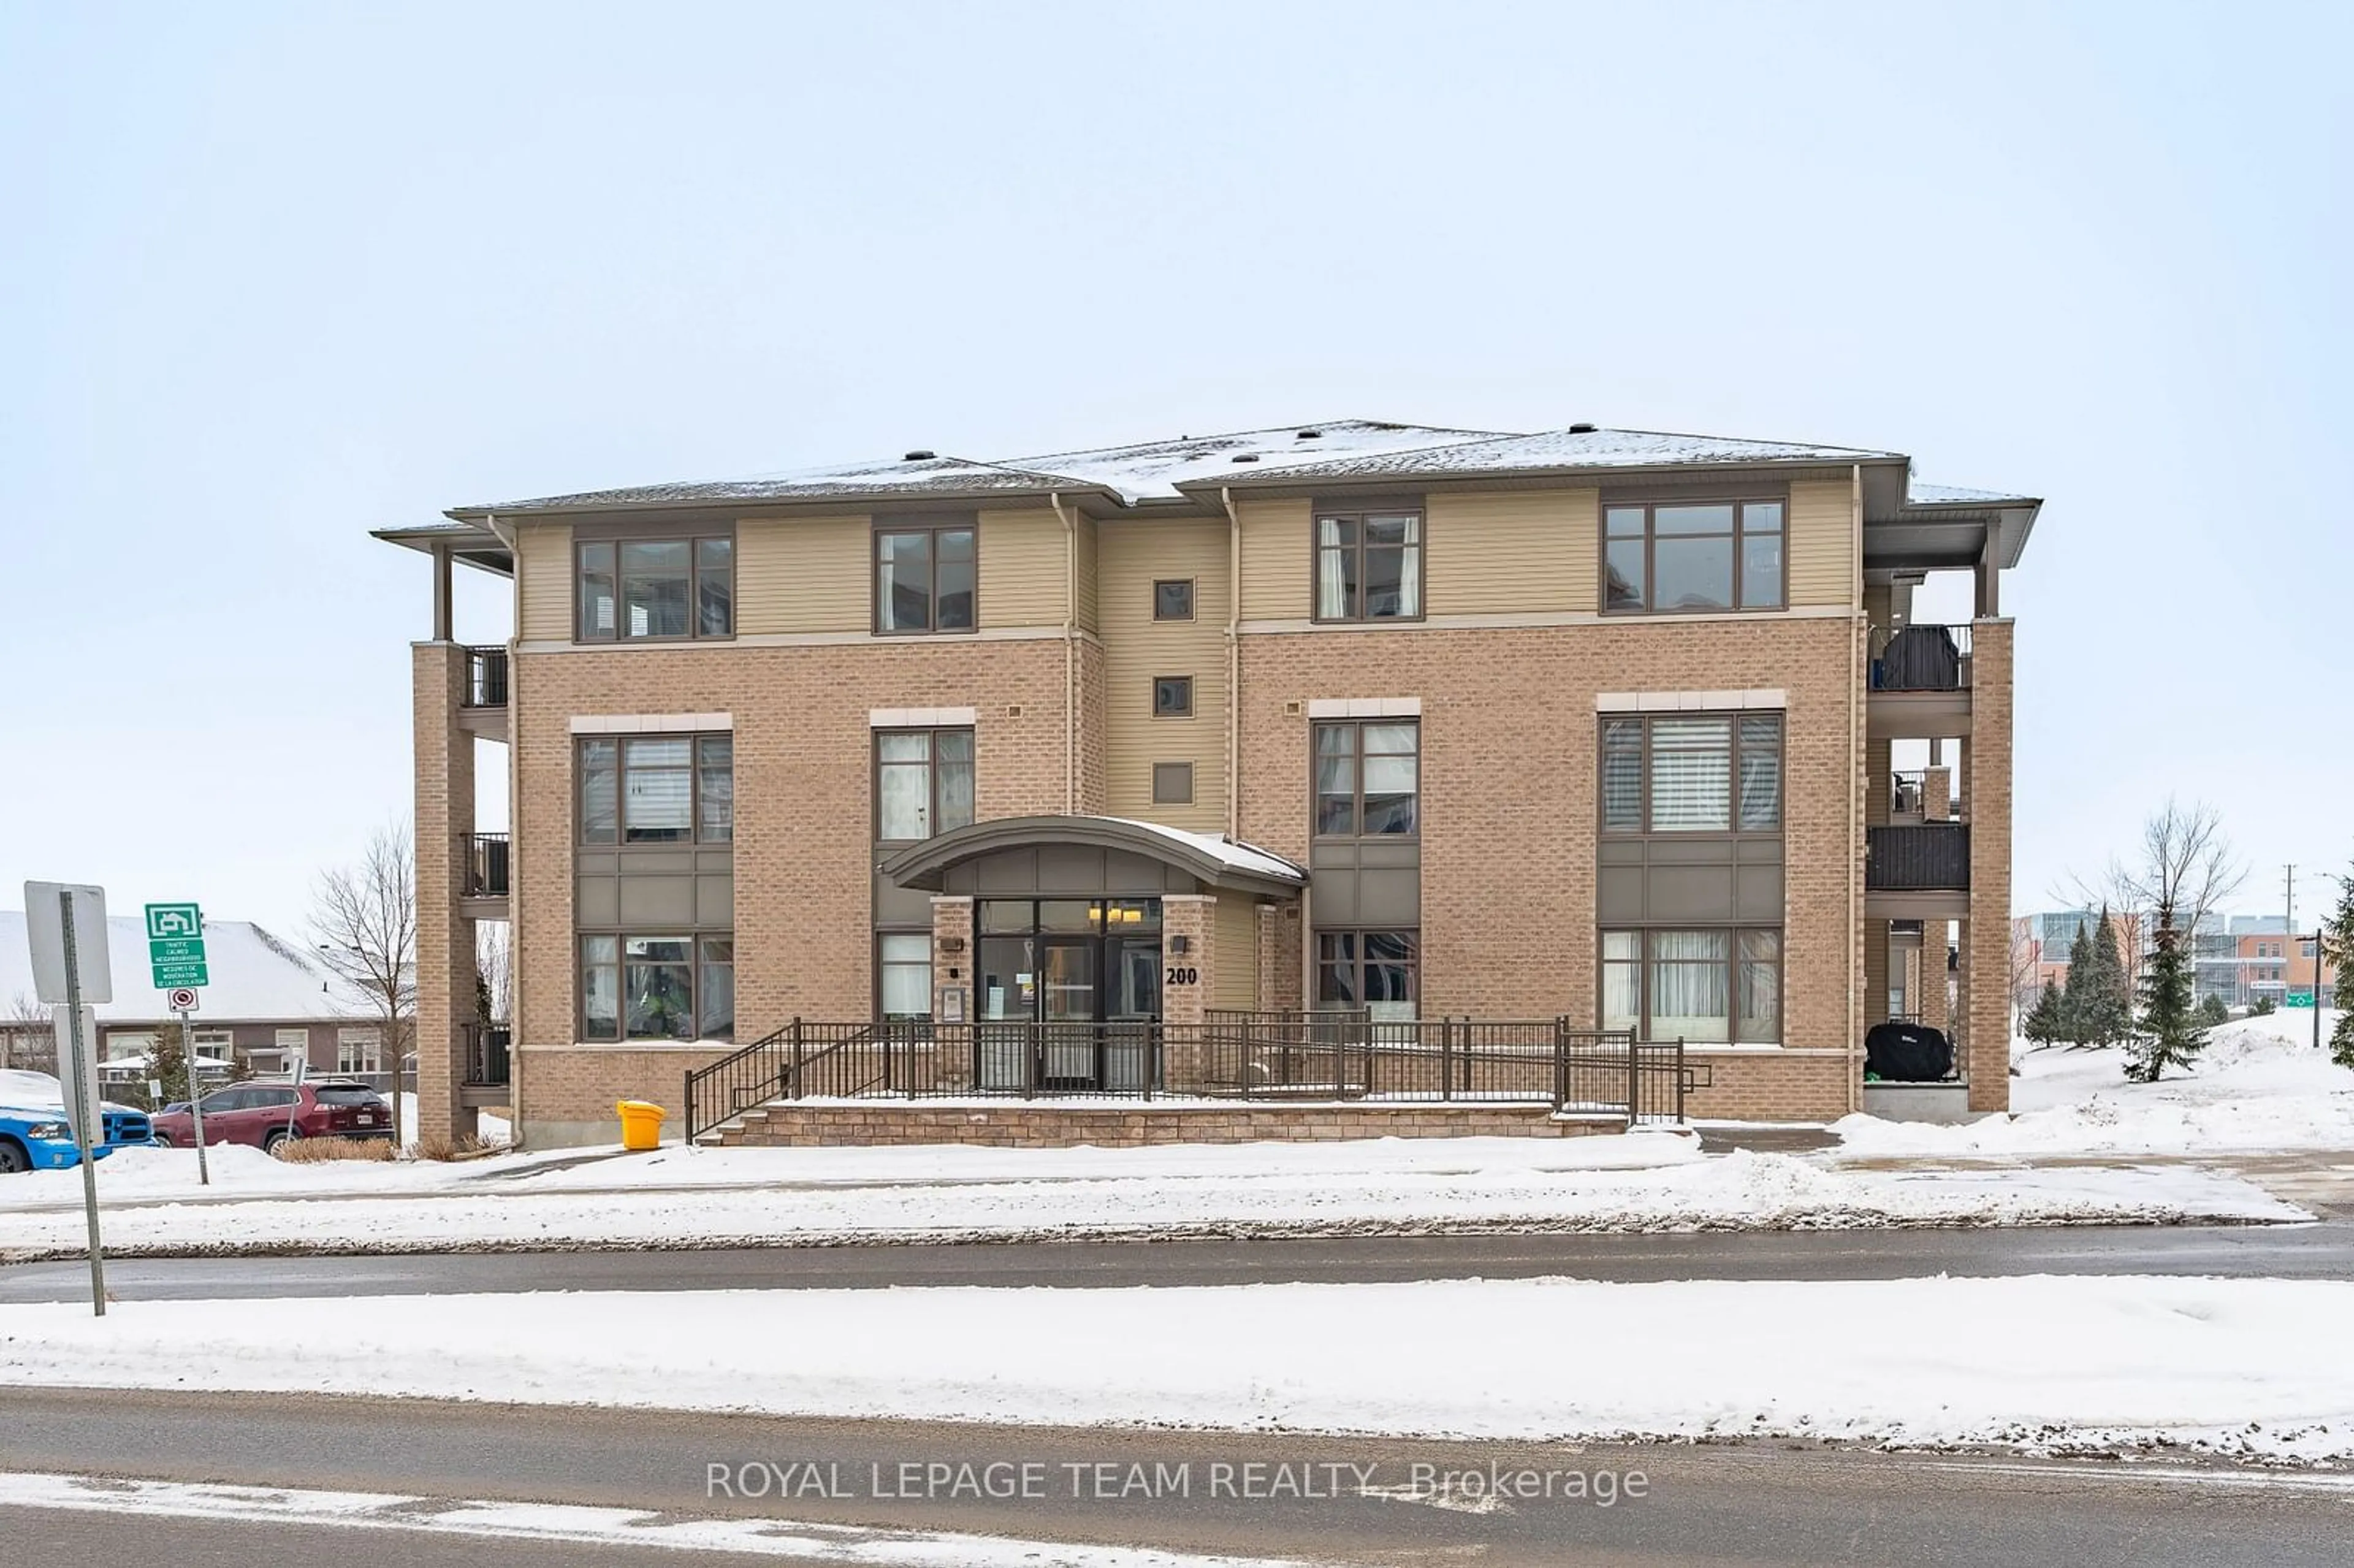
{"x": 1669, "y": 773}
{"x": 1718, "y": 554}
{"x": 655, "y": 587}
{"x": 1369, "y": 565}
{"x": 1368, "y": 781}
{"x": 359, "y": 1051}
{"x": 923, "y": 782}
{"x": 657, "y": 789}
{"x": 1708, "y": 987}
{"x": 903, "y": 962}
{"x": 1378, "y": 971}
{"x": 670, "y": 986}
{"x": 923, "y": 577}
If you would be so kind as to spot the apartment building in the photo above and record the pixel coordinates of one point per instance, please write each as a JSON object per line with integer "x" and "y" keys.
{"x": 1590, "y": 726}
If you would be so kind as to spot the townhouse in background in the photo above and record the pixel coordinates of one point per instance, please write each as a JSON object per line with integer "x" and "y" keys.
{"x": 2237, "y": 960}
{"x": 1589, "y": 725}
{"x": 268, "y": 1006}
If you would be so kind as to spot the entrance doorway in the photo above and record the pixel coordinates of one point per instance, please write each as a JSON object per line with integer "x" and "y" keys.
{"x": 1078, "y": 981}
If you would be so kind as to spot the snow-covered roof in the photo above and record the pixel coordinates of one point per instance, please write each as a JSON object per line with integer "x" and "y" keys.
{"x": 1340, "y": 450}
{"x": 256, "y": 977}
{"x": 1226, "y": 851}
{"x": 1920, "y": 495}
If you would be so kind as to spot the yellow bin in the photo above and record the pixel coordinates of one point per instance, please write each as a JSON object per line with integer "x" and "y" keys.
{"x": 640, "y": 1123}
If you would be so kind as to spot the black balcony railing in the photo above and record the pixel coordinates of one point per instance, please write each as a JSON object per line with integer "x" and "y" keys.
{"x": 486, "y": 865}
{"x": 486, "y": 677}
{"x": 1297, "y": 1057}
{"x": 1921, "y": 858}
{"x": 485, "y": 1061}
{"x": 1906, "y": 794}
{"x": 1923, "y": 658}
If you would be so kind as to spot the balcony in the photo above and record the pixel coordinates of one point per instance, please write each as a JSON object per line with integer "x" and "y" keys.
{"x": 1917, "y": 871}
{"x": 484, "y": 1064}
{"x": 482, "y": 709}
{"x": 1921, "y": 685}
{"x": 483, "y": 888}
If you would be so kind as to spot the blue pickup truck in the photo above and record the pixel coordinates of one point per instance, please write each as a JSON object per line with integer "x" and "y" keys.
{"x": 33, "y": 1131}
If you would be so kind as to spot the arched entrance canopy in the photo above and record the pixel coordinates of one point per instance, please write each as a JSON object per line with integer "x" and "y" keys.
{"x": 1211, "y": 861}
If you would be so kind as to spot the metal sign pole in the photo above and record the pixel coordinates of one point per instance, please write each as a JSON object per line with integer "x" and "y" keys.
{"x": 195, "y": 1096}
{"x": 85, "y": 1099}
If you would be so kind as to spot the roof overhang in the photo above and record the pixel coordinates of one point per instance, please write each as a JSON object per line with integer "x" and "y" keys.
{"x": 475, "y": 545}
{"x": 1944, "y": 536}
{"x": 1211, "y": 862}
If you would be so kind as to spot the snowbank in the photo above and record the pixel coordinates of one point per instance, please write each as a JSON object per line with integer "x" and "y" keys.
{"x": 1259, "y": 1190}
{"x": 2225, "y": 1365}
{"x": 2258, "y": 1087}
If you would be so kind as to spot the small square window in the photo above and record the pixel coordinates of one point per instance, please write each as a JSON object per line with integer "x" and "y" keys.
{"x": 1173, "y": 696}
{"x": 1172, "y": 600}
{"x": 1172, "y": 783}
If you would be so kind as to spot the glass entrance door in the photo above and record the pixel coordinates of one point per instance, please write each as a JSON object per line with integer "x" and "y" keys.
{"x": 1132, "y": 1010}
{"x": 1069, "y": 1001}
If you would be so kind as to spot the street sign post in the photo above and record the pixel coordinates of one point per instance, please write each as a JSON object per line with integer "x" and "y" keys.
{"x": 176, "y": 955}
{"x": 65, "y": 926}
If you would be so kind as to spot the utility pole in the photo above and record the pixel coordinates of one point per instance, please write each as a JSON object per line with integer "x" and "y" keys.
{"x": 2289, "y": 919}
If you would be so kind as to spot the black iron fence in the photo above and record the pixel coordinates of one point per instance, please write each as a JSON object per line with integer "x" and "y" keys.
{"x": 1923, "y": 658}
{"x": 1281, "y": 1057}
{"x": 486, "y": 677}
{"x": 1908, "y": 857}
{"x": 487, "y": 861}
{"x": 486, "y": 1048}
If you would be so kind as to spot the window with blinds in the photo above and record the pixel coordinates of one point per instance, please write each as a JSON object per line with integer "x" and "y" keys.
{"x": 1680, "y": 773}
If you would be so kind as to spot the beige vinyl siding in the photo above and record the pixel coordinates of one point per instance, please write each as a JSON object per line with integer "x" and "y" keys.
{"x": 1510, "y": 551}
{"x": 1822, "y": 542}
{"x": 1023, "y": 576}
{"x": 1234, "y": 935}
{"x": 1083, "y": 543}
{"x": 1278, "y": 567}
{"x": 543, "y": 582}
{"x": 1129, "y": 558}
{"x": 803, "y": 574}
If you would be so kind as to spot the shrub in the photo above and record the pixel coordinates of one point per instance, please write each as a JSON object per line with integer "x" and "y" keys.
{"x": 316, "y": 1150}
{"x": 446, "y": 1148}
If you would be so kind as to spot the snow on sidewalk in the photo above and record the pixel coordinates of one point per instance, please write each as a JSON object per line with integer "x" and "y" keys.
{"x": 2258, "y": 1087}
{"x": 1274, "y": 1194}
{"x": 2241, "y": 1367}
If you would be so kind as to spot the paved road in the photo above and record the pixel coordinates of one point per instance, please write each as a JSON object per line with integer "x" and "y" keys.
{"x": 1702, "y": 1505}
{"x": 2290, "y": 1252}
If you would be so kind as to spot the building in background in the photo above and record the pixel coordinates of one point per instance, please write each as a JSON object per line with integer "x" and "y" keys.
{"x": 268, "y": 1005}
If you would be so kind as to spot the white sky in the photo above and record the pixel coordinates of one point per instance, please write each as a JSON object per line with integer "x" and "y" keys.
{"x": 272, "y": 276}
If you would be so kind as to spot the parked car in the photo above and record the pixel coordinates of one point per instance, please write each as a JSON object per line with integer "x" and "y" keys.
{"x": 266, "y": 1115}
{"x": 33, "y": 1131}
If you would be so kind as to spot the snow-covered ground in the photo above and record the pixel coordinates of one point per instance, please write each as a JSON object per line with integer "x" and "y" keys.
{"x": 697, "y": 1197}
{"x": 2234, "y": 1366}
{"x": 2259, "y": 1086}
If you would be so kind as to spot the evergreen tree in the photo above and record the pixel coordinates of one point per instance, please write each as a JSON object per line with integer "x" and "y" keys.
{"x": 2212, "y": 1011}
{"x": 2260, "y": 1006}
{"x": 2073, "y": 1012}
{"x": 2045, "y": 1020}
{"x": 2337, "y": 947}
{"x": 2169, "y": 1033}
{"x": 167, "y": 1064}
{"x": 2108, "y": 1005}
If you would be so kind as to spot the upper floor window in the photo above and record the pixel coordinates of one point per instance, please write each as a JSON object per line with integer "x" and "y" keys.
{"x": 657, "y": 789}
{"x": 1367, "y": 778}
{"x": 923, "y": 782}
{"x": 1172, "y": 598}
{"x": 655, "y": 587}
{"x": 1718, "y": 554}
{"x": 1369, "y": 565}
{"x": 923, "y": 577}
{"x": 1669, "y": 773}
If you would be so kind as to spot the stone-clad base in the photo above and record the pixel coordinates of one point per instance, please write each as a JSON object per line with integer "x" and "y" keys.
{"x": 1033, "y": 1125}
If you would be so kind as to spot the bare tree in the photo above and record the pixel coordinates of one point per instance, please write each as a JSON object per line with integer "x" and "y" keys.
{"x": 2026, "y": 961}
{"x": 2179, "y": 873}
{"x": 364, "y": 917}
{"x": 494, "y": 962}
{"x": 29, "y": 1035}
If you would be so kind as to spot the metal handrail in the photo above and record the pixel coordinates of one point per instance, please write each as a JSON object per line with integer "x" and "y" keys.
{"x": 488, "y": 865}
{"x": 486, "y": 678}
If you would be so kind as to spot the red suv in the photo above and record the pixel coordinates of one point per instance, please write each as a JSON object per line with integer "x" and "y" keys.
{"x": 266, "y": 1115}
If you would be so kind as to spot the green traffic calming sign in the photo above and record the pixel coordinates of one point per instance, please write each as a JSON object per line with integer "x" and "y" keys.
{"x": 2299, "y": 999}
{"x": 176, "y": 944}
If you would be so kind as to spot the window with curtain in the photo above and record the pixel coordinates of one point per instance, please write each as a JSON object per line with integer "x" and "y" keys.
{"x": 1711, "y": 556}
{"x": 1676, "y": 773}
{"x": 923, "y": 577}
{"x": 657, "y": 789}
{"x": 667, "y": 986}
{"x": 678, "y": 587}
{"x": 1369, "y": 565}
{"x": 1708, "y": 987}
{"x": 923, "y": 782}
{"x": 904, "y": 974}
{"x": 1378, "y": 971}
{"x": 1368, "y": 778}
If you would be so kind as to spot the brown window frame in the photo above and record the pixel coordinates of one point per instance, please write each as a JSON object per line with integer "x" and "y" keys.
{"x": 1181, "y": 682}
{"x": 932, "y": 734}
{"x": 1190, "y": 585}
{"x": 1161, "y": 799}
{"x": 697, "y": 836}
{"x": 1732, "y": 961}
{"x": 614, "y": 545}
{"x": 1356, "y": 511}
{"x": 1734, "y": 828}
{"x": 696, "y": 963}
{"x": 935, "y": 524}
{"x": 1649, "y": 506}
{"x": 1357, "y": 798}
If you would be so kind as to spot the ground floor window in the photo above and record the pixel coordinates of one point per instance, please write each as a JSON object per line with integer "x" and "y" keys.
{"x": 671, "y": 987}
{"x": 1708, "y": 987}
{"x": 903, "y": 962}
{"x": 359, "y": 1051}
{"x": 1378, "y": 971}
